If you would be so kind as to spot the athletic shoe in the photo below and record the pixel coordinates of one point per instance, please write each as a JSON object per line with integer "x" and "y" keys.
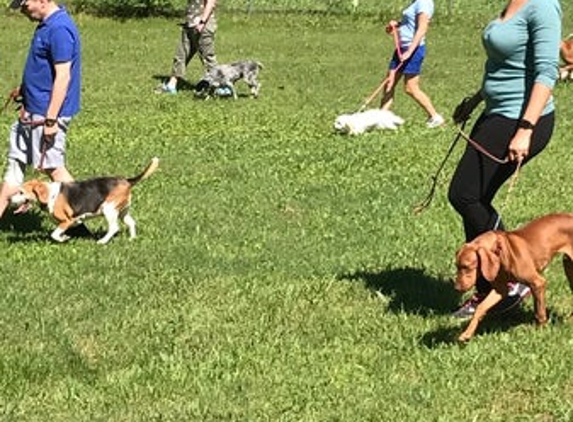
{"x": 517, "y": 293}
{"x": 518, "y": 289}
{"x": 165, "y": 89}
{"x": 468, "y": 308}
{"x": 435, "y": 121}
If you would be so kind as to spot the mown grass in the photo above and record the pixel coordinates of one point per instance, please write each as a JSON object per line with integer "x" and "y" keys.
{"x": 279, "y": 272}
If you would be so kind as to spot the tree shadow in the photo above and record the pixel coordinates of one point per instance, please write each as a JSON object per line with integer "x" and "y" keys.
{"x": 410, "y": 290}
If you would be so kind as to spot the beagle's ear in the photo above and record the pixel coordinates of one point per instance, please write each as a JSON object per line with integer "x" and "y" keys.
{"x": 40, "y": 189}
{"x": 489, "y": 263}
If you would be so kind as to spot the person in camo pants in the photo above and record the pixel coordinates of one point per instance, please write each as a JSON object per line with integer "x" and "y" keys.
{"x": 197, "y": 36}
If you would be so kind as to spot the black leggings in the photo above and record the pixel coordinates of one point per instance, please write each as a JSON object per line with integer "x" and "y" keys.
{"x": 478, "y": 178}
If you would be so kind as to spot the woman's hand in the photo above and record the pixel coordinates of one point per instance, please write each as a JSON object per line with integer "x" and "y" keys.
{"x": 464, "y": 109}
{"x": 406, "y": 55}
{"x": 391, "y": 26}
{"x": 519, "y": 145}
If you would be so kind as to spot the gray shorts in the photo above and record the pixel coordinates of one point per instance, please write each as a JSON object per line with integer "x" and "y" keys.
{"x": 27, "y": 147}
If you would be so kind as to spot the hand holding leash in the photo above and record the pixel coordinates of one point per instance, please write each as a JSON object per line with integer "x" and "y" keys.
{"x": 392, "y": 26}
{"x": 15, "y": 96}
{"x": 463, "y": 111}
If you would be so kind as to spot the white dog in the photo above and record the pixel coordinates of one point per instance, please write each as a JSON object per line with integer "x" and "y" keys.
{"x": 358, "y": 123}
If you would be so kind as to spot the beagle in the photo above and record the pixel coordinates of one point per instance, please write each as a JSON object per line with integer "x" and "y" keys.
{"x": 72, "y": 202}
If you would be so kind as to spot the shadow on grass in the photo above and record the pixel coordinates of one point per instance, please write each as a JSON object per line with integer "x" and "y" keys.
{"x": 182, "y": 84}
{"x": 27, "y": 228}
{"x": 23, "y": 227}
{"x": 410, "y": 290}
{"x": 448, "y": 335}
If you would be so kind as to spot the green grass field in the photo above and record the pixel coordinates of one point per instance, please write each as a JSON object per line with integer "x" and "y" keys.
{"x": 279, "y": 273}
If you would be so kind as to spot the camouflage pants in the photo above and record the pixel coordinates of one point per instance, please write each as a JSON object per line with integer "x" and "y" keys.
{"x": 193, "y": 42}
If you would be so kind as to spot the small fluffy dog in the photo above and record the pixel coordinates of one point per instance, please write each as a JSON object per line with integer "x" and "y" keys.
{"x": 358, "y": 123}
{"x": 72, "y": 202}
{"x": 566, "y": 51}
{"x": 226, "y": 75}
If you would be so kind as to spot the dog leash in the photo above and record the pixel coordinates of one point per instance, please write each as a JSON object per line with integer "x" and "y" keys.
{"x": 380, "y": 87}
{"x": 461, "y": 134}
{"x": 46, "y": 141}
{"x": 428, "y": 199}
{"x": 514, "y": 176}
{"x": 512, "y": 183}
{"x": 14, "y": 96}
{"x": 481, "y": 149}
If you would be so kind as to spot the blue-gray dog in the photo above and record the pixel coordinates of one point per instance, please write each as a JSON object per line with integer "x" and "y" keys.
{"x": 226, "y": 75}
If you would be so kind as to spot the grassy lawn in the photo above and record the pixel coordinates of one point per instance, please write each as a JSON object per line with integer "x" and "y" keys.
{"x": 279, "y": 273}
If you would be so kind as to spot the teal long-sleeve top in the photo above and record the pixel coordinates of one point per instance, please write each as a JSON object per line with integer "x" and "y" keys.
{"x": 521, "y": 51}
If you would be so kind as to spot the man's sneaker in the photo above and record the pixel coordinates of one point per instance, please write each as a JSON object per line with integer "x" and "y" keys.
{"x": 435, "y": 121}
{"x": 468, "y": 308}
{"x": 165, "y": 89}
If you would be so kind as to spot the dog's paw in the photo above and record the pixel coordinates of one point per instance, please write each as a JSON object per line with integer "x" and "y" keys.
{"x": 61, "y": 238}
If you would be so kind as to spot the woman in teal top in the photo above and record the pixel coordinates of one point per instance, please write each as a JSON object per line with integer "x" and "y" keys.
{"x": 522, "y": 47}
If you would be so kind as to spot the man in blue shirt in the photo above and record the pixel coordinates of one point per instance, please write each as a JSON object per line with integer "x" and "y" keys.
{"x": 50, "y": 92}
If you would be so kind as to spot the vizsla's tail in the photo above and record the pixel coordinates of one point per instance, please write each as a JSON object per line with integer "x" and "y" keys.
{"x": 149, "y": 170}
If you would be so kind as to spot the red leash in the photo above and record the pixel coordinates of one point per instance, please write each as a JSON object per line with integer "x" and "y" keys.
{"x": 461, "y": 134}
{"x": 391, "y": 74}
{"x": 481, "y": 149}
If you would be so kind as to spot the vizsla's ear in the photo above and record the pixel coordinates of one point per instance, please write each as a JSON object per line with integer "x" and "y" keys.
{"x": 489, "y": 263}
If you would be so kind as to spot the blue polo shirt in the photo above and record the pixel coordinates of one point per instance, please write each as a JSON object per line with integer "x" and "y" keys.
{"x": 56, "y": 40}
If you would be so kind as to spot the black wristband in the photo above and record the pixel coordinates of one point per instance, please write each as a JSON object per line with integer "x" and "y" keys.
{"x": 525, "y": 124}
{"x": 50, "y": 122}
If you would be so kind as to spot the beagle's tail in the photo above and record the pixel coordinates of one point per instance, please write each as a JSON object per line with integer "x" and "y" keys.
{"x": 149, "y": 170}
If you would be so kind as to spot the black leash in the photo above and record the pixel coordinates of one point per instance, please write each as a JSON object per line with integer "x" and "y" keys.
{"x": 428, "y": 200}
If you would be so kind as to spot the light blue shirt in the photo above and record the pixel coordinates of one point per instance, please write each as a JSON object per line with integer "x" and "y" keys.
{"x": 521, "y": 51}
{"x": 409, "y": 22}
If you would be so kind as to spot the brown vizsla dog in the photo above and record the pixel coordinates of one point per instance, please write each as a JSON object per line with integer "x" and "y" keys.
{"x": 520, "y": 255}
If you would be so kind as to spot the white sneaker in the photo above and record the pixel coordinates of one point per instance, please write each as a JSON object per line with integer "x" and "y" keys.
{"x": 435, "y": 121}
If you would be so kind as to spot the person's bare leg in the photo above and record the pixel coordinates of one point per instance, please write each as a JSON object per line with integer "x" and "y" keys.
{"x": 60, "y": 174}
{"x": 412, "y": 88}
{"x": 388, "y": 95}
{"x": 6, "y": 192}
